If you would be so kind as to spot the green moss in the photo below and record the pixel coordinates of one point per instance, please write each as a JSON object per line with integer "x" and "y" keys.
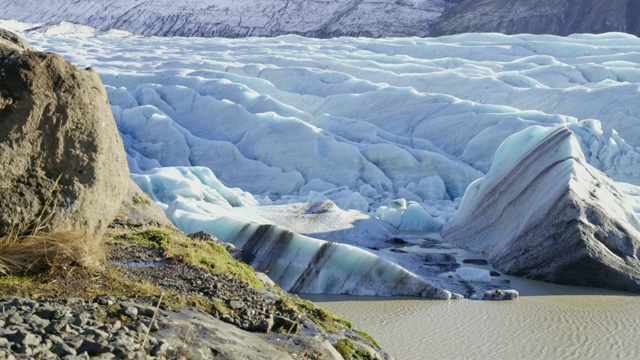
{"x": 365, "y": 354}
{"x": 139, "y": 200}
{"x": 328, "y": 321}
{"x": 368, "y": 337}
{"x": 207, "y": 255}
{"x": 346, "y": 348}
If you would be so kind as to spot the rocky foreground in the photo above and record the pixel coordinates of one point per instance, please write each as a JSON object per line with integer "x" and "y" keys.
{"x": 153, "y": 301}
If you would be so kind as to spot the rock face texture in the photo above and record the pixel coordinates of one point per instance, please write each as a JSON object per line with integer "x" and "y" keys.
{"x": 558, "y": 17}
{"x": 62, "y": 160}
{"x": 542, "y": 212}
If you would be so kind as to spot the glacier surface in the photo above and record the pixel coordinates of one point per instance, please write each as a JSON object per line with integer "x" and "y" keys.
{"x": 327, "y": 138}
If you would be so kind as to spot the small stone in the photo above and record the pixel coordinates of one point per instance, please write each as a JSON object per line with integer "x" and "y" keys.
{"x": 15, "y": 302}
{"x": 22, "y": 350}
{"x": 62, "y": 349}
{"x": 148, "y": 312}
{"x": 24, "y": 338}
{"x": 160, "y": 349}
{"x": 116, "y": 325}
{"x": 36, "y": 321}
{"x": 228, "y": 319}
{"x": 130, "y": 311}
{"x": 81, "y": 319}
{"x": 236, "y": 304}
{"x": 103, "y": 300}
{"x": 97, "y": 335}
{"x": 14, "y": 319}
{"x": 152, "y": 325}
{"x": 48, "y": 313}
{"x": 54, "y": 338}
{"x": 139, "y": 327}
{"x": 94, "y": 348}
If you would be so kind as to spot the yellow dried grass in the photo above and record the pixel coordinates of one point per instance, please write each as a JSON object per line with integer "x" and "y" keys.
{"x": 36, "y": 253}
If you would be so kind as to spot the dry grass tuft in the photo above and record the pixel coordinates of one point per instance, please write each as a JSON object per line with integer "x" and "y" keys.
{"x": 36, "y": 253}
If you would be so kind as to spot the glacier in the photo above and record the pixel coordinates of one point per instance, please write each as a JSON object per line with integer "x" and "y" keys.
{"x": 351, "y": 140}
{"x": 542, "y": 212}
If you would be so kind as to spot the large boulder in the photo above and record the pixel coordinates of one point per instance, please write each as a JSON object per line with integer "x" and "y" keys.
{"x": 62, "y": 162}
{"x": 542, "y": 212}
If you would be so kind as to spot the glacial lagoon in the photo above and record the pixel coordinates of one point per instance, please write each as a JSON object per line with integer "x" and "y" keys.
{"x": 547, "y": 322}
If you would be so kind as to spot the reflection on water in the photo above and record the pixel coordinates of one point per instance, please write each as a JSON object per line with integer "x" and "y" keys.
{"x": 547, "y": 322}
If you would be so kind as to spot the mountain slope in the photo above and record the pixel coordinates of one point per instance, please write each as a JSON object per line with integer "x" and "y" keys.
{"x": 208, "y": 18}
{"x": 323, "y": 19}
{"x": 558, "y": 17}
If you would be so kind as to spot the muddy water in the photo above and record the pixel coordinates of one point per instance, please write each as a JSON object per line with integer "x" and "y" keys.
{"x": 547, "y": 322}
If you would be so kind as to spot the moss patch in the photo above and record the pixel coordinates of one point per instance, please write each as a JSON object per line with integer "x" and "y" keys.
{"x": 346, "y": 348}
{"x": 207, "y": 255}
{"x": 321, "y": 317}
{"x": 368, "y": 337}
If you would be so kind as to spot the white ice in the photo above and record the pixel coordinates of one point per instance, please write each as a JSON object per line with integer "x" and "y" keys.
{"x": 396, "y": 128}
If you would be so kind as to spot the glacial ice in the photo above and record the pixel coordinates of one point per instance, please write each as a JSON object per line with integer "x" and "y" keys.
{"x": 543, "y": 212}
{"x": 312, "y": 134}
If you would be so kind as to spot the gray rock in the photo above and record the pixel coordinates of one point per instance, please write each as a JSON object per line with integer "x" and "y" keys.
{"x": 36, "y": 321}
{"x": 24, "y": 338}
{"x": 236, "y": 304}
{"x": 81, "y": 319}
{"x": 14, "y": 318}
{"x": 160, "y": 349}
{"x": 5, "y": 354}
{"x": 130, "y": 311}
{"x": 559, "y": 17}
{"x": 51, "y": 313}
{"x": 95, "y": 334}
{"x": 62, "y": 349}
{"x": 152, "y": 325}
{"x": 58, "y": 142}
{"x": 94, "y": 348}
{"x": 203, "y": 236}
{"x": 12, "y": 42}
{"x": 145, "y": 311}
{"x": 139, "y": 328}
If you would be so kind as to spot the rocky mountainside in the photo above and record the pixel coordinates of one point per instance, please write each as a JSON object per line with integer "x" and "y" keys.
{"x": 313, "y": 18}
{"x": 322, "y": 19}
{"x": 561, "y": 17}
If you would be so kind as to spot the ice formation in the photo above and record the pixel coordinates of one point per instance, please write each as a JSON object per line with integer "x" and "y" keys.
{"x": 322, "y": 136}
{"x": 543, "y": 212}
